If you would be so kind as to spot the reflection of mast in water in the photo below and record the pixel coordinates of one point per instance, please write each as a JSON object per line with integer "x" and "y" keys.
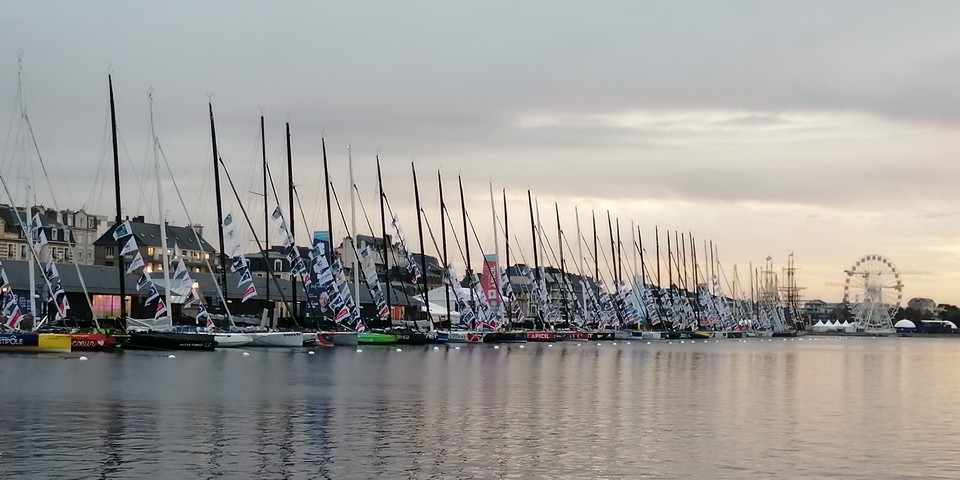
{"x": 113, "y": 435}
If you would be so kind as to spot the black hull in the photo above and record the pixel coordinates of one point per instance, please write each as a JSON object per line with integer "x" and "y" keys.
{"x": 601, "y": 336}
{"x": 410, "y": 338}
{"x": 505, "y": 337}
{"x": 170, "y": 341}
{"x": 785, "y": 334}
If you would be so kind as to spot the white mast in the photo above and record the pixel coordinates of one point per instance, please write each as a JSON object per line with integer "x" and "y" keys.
{"x": 495, "y": 274}
{"x": 353, "y": 233}
{"x": 163, "y": 217}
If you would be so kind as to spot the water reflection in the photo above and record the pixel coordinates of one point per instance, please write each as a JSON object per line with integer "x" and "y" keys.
{"x": 706, "y": 410}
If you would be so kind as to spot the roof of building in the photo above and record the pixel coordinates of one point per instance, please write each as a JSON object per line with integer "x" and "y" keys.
{"x": 148, "y": 235}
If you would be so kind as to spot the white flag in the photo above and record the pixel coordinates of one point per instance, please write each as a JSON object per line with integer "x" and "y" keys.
{"x": 136, "y": 263}
{"x": 41, "y": 241}
{"x": 176, "y": 251}
{"x": 131, "y": 246}
{"x": 122, "y": 230}
{"x": 181, "y": 269}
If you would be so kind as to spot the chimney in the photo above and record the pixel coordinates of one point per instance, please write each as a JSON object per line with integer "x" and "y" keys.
{"x": 137, "y": 219}
{"x": 196, "y": 227}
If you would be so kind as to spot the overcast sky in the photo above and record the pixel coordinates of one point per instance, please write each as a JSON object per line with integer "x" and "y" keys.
{"x": 828, "y": 129}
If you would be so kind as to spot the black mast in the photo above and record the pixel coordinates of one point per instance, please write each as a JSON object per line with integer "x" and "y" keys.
{"x": 596, "y": 259}
{"x": 266, "y": 221}
{"x": 563, "y": 271}
{"x": 536, "y": 259}
{"x": 443, "y": 240}
{"x": 506, "y": 246}
{"x": 656, "y": 233}
{"x": 466, "y": 242}
{"x": 423, "y": 255}
{"x": 216, "y": 184}
{"x": 121, "y": 268}
{"x": 387, "y": 246}
{"x": 326, "y": 184}
{"x": 293, "y": 278}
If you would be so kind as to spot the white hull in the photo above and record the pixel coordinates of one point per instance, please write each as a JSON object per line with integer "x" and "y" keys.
{"x": 652, "y": 336}
{"x": 277, "y": 339}
{"x": 622, "y": 334}
{"x": 232, "y": 340}
{"x": 457, "y": 337}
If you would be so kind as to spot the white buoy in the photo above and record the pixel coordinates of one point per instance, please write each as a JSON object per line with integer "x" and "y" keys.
{"x": 436, "y": 348}
{"x": 311, "y": 352}
{"x": 399, "y": 349}
{"x": 648, "y": 343}
{"x": 521, "y": 346}
{"x": 456, "y": 348}
{"x": 716, "y": 341}
{"x": 669, "y": 343}
{"x": 628, "y": 343}
{"x": 550, "y": 345}
{"x": 681, "y": 341}
{"x": 599, "y": 344}
{"x": 82, "y": 359}
{"x": 496, "y": 347}
{"x": 359, "y": 351}
{"x": 171, "y": 356}
{"x": 247, "y": 354}
{"x": 614, "y": 343}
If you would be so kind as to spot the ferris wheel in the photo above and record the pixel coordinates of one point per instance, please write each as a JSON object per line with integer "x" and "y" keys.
{"x": 872, "y": 292}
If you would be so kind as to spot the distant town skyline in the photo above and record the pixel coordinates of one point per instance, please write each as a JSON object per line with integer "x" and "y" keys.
{"x": 825, "y": 129}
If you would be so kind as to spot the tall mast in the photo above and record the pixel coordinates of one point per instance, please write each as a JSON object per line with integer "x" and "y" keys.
{"x": 596, "y": 253}
{"x": 613, "y": 253}
{"x": 536, "y": 259}
{"x": 656, "y": 234}
{"x": 619, "y": 255}
{"x": 466, "y": 245}
{"x": 576, "y": 214}
{"x": 443, "y": 240}
{"x": 266, "y": 219}
{"x": 293, "y": 278}
{"x": 163, "y": 216}
{"x": 423, "y": 254}
{"x": 495, "y": 274}
{"x": 353, "y": 231}
{"x": 669, "y": 264}
{"x": 506, "y": 251}
{"x": 121, "y": 269}
{"x": 643, "y": 267}
{"x": 326, "y": 185}
{"x": 387, "y": 246}
{"x": 216, "y": 184}
{"x": 563, "y": 271}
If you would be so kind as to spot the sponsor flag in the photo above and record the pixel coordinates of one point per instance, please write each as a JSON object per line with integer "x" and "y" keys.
{"x": 176, "y": 251}
{"x": 122, "y": 230}
{"x": 245, "y": 278}
{"x": 161, "y": 309}
{"x": 277, "y": 213}
{"x": 143, "y": 281}
{"x": 41, "y": 241}
{"x": 192, "y": 296}
{"x": 238, "y": 264}
{"x": 250, "y": 293}
{"x": 130, "y": 246}
{"x": 342, "y": 314}
{"x": 4, "y": 281}
{"x": 202, "y": 313}
{"x": 228, "y": 220}
{"x": 62, "y": 308}
{"x": 51, "y": 271}
{"x": 136, "y": 263}
{"x": 361, "y": 327}
{"x": 13, "y": 321}
{"x": 181, "y": 269}
{"x": 57, "y": 288}
{"x": 152, "y": 294}
{"x": 36, "y": 222}
{"x": 10, "y": 303}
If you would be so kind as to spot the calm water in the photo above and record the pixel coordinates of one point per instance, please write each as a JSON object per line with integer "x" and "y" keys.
{"x": 840, "y": 408}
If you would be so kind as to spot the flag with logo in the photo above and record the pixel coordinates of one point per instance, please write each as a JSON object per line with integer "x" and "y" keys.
{"x": 13, "y": 320}
{"x": 122, "y": 230}
{"x": 245, "y": 278}
{"x": 152, "y": 294}
{"x": 136, "y": 263}
{"x": 161, "y": 309}
{"x": 130, "y": 246}
{"x": 143, "y": 281}
{"x": 249, "y": 293}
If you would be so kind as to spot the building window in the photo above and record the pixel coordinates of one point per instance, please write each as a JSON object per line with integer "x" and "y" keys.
{"x": 208, "y": 256}
{"x": 278, "y": 265}
{"x": 23, "y": 251}
{"x": 149, "y": 250}
{"x": 109, "y": 250}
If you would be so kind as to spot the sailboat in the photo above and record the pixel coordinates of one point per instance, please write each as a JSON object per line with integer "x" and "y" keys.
{"x": 156, "y": 333}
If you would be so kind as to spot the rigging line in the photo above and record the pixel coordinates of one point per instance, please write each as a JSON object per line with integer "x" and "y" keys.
{"x": 263, "y": 252}
{"x": 456, "y": 238}
{"x": 495, "y": 278}
{"x": 365, "y": 216}
{"x": 71, "y": 245}
{"x": 196, "y": 235}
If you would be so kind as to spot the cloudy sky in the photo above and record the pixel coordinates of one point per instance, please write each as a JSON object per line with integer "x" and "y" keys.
{"x": 827, "y": 129}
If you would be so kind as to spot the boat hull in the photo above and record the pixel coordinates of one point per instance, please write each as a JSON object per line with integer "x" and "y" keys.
{"x": 232, "y": 340}
{"x": 276, "y": 339}
{"x": 574, "y": 335}
{"x": 541, "y": 336}
{"x": 82, "y": 342}
{"x": 171, "y": 341}
{"x": 437, "y": 336}
{"x": 461, "y": 336}
{"x": 337, "y": 339}
{"x": 505, "y": 337}
{"x": 375, "y": 338}
{"x": 410, "y": 338}
{"x": 35, "y": 342}
{"x": 600, "y": 336}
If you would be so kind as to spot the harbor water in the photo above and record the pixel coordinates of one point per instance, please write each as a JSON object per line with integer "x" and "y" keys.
{"x": 816, "y": 407}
